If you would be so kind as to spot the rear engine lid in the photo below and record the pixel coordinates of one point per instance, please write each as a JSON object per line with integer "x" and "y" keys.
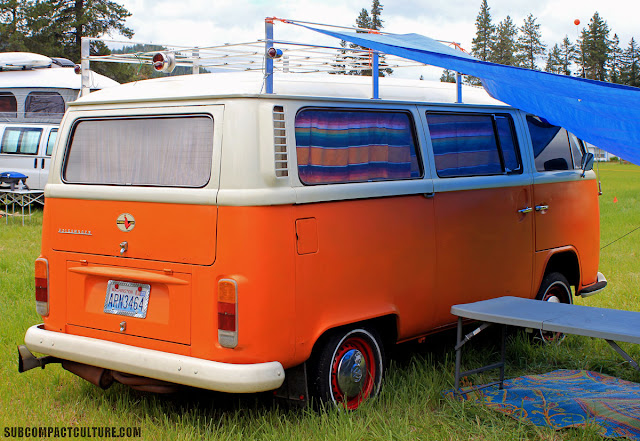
{"x": 180, "y": 233}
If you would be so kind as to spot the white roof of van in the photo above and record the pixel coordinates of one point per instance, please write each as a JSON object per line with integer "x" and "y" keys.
{"x": 288, "y": 84}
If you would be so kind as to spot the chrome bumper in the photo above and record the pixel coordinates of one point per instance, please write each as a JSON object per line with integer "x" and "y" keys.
{"x": 180, "y": 369}
{"x": 590, "y": 290}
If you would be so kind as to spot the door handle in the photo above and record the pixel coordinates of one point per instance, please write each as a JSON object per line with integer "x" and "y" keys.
{"x": 542, "y": 207}
{"x": 42, "y": 165}
{"x": 35, "y": 163}
{"x": 525, "y": 210}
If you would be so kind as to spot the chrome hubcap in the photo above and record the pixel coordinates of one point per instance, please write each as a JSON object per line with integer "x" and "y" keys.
{"x": 351, "y": 370}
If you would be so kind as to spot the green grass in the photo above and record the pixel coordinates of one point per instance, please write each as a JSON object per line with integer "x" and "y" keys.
{"x": 410, "y": 407}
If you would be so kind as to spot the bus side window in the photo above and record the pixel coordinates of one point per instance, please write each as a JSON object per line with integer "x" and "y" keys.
{"x": 352, "y": 145}
{"x": 552, "y": 146}
{"x": 469, "y": 144}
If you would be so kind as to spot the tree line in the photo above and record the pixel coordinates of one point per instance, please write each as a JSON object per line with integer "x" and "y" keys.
{"x": 595, "y": 54}
{"x": 55, "y": 28}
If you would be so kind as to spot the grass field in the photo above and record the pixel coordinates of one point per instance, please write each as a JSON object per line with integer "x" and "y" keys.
{"x": 410, "y": 407}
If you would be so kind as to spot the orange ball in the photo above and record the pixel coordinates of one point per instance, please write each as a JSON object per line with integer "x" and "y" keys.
{"x": 576, "y": 22}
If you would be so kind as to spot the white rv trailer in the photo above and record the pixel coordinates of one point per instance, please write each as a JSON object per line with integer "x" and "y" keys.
{"x": 34, "y": 93}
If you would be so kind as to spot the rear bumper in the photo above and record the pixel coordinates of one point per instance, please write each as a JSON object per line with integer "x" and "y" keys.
{"x": 590, "y": 290}
{"x": 180, "y": 369}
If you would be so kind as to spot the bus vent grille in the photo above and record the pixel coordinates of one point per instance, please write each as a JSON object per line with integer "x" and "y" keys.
{"x": 280, "y": 142}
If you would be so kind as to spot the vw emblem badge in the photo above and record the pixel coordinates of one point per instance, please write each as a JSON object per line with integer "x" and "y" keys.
{"x": 125, "y": 222}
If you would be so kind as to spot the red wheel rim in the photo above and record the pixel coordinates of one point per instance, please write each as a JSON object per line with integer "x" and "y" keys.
{"x": 557, "y": 291}
{"x": 368, "y": 378}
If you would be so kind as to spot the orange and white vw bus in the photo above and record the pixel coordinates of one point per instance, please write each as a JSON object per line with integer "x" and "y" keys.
{"x": 199, "y": 232}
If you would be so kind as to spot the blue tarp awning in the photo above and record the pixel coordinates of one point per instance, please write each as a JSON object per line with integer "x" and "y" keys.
{"x": 604, "y": 114}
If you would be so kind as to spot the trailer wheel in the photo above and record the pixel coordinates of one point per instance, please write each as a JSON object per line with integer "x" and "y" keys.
{"x": 349, "y": 368}
{"x": 554, "y": 288}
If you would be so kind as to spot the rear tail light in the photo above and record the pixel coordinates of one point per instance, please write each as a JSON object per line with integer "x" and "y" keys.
{"x": 42, "y": 286}
{"x": 228, "y": 313}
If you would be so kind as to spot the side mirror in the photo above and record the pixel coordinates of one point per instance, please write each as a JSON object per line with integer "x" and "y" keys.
{"x": 587, "y": 163}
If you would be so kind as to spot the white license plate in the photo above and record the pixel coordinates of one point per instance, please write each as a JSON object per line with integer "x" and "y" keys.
{"x": 126, "y": 298}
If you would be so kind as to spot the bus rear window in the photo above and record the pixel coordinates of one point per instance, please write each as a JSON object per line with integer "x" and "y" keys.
{"x": 171, "y": 151}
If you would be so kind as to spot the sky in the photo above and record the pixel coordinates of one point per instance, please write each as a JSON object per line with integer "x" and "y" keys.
{"x": 210, "y": 22}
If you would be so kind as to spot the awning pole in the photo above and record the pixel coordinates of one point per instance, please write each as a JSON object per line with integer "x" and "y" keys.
{"x": 195, "y": 69}
{"x": 85, "y": 46}
{"x": 375, "y": 73}
{"x": 268, "y": 61}
{"x": 458, "y": 88}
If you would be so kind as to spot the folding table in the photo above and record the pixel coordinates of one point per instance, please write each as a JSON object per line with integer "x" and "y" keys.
{"x": 609, "y": 324}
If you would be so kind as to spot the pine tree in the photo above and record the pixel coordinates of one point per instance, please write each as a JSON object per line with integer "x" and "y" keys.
{"x": 364, "y": 21}
{"x": 55, "y": 27}
{"x": 554, "y": 61}
{"x": 595, "y": 46}
{"x": 504, "y": 47}
{"x": 567, "y": 52}
{"x": 376, "y": 11}
{"x": 529, "y": 43}
{"x": 339, "y": 64}
{"x": 446, "y": 77}
{"x": 631, "y": 64}
{"x": 615, "y": 60}
{"x": 70, "y": 20}
{"x": 12, "y": 26}
{"x": 485, "y": 34}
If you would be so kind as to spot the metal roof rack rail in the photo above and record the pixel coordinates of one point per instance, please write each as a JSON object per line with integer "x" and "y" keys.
{"x": 268, "y": 55}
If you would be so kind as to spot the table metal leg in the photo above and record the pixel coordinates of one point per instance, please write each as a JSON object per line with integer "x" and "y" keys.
{"x": 458, "y": 353}
{"x": 503, "y": 354}
{"x": 623, "y": 354}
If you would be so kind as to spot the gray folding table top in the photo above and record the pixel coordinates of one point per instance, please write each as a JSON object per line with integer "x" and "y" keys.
{"x": 609, "y": 324}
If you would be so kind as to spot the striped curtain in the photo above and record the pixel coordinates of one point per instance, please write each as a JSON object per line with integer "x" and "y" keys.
{"x": 464, "y": 145}
{"x": 354, "y": 146}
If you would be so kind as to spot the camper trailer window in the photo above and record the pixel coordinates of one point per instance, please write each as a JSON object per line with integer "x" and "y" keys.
{"x": 8, "y": 105}
{"x": 344, "y": 145}
{"x": 53, "y": 135}
{"x": 551, "y": 147}
{"x": 174, "y": 151}
{"x": 473, "y": 144}
{"x": 21, "y": 140}
{"x": 38, "y": 103}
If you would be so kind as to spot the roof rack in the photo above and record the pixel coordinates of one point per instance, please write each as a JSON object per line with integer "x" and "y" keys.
{"x": 268, "y": 55}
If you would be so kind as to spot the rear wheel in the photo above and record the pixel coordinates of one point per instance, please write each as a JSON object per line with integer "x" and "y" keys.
{"x": 555, "y": 288}
{"x": 349, "y": 368}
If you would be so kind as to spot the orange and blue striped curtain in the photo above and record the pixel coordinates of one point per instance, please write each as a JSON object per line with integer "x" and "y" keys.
{"x": 336, "y": 146}
{"x": 464, "y": 145}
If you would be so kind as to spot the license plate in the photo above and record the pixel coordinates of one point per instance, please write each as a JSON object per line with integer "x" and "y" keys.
{"x": 126, "y": 298}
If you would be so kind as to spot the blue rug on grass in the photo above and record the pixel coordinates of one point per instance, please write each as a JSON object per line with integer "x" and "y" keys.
{"x": 568, "y": 398}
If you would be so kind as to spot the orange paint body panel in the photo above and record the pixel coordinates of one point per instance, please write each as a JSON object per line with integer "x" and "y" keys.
{"x": 570, "y": 221}
{"x": 484, "y": 247}
{"x": 301, "y": 269}
{"x": 375, "y": 257}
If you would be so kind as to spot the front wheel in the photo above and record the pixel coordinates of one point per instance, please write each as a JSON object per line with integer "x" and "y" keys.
{"x": 554, "y": 288}
{"x": 349, "y": 368}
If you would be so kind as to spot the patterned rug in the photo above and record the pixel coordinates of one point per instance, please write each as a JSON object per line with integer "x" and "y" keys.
{"x": 568, "y": 398}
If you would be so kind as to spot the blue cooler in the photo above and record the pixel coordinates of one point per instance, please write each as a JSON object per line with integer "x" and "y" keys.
{"x": 14, "y": 179}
